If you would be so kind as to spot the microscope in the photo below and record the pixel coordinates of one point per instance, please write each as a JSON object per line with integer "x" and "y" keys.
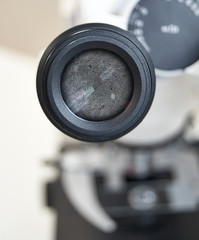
{"x": 138, "y": 178}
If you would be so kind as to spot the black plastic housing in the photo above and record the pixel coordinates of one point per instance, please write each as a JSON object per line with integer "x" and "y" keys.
{"x": 71, "y": 43}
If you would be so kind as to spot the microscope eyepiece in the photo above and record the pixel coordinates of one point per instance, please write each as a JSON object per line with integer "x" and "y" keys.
{"x": 95, "y": 82}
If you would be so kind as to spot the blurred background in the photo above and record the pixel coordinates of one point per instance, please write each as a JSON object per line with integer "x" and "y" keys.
{"x": 27, "y": 137}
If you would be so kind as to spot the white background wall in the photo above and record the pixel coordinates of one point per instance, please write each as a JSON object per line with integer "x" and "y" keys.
{"x": 27, "y": 138}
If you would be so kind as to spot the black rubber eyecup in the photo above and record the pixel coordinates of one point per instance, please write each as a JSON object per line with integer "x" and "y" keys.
{"x": 75, "y": 41}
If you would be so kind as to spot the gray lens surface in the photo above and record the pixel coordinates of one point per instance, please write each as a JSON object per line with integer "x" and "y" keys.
{"x": 97, "y": 85}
